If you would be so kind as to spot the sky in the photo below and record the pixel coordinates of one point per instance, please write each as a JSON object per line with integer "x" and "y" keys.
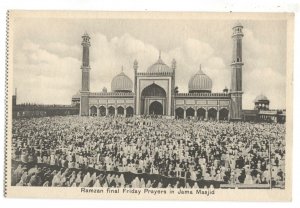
{"x": 48, "y": 52}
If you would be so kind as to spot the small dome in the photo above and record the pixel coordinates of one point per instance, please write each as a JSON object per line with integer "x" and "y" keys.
{"x": 200, "y": 82}
{"x": 159, "y": 66}
{"x": 261, "y": 97}
{"x": 121, "y": 83}
{"x": 225, "y": 89}
{"x": 104, "y": 89}
{"x": 77, "y": 95}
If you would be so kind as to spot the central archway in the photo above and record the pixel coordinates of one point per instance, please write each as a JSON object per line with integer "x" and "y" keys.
{"x": 156, "y": 94}
{"x": 153, "y": 90}
{"x": 156, "y": 108}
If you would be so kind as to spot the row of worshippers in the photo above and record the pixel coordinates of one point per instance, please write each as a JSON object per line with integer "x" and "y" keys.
{"x": 37, "y": 176}
{"x": 220, "y": 151}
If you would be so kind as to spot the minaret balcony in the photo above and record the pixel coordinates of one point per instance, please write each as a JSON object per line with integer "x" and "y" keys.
{"x": 237, "y": 63}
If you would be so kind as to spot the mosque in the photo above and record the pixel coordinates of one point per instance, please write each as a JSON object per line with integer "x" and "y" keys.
{"x": 153, "y": 92}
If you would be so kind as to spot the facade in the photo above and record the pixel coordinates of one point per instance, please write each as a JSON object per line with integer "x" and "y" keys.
{"x": 154, "y": 93}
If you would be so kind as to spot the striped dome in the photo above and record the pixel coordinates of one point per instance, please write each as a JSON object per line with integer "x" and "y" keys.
{"x": 121, "y": 83}
{"x": 159, "y": 66}
{"x": 200, "y": 82}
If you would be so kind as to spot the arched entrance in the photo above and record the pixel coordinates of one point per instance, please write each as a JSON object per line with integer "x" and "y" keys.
{"x": 212, "y": 114}
{"x": 153, "y": 100}
{"x": 102, "y": 111}
{"x": 111, "y": 111}
{"x": 93, "y": 111}
{"x": 201, "y": 113}
{"x": 156, "y": 108}
{"x": 190, "y": 112}
{"x": 223, "y": 114}
{"x": 129, "y": 111}
{"x": 120, "y": 110}
{"x": 179, "y": 113}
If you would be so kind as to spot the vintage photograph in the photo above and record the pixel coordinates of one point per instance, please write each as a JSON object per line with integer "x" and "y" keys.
{"x": 159, "y": 104}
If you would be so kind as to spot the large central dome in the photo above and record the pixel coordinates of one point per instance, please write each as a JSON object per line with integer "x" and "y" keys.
{"x": 200, "y": 83}
{"x": 159, "y": 66}
{"x": 121, "y": 83}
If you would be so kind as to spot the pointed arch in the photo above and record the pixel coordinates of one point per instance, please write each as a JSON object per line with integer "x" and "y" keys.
{"x": 223, "y": 114}
{"x": 212, "y": 114}
{"x": 93, "y": 111}
{"x": 190, "y": 112}
{"x": 129, "y": 111}
{"x": 179, "y": 113}
{"x": 201, "y": 113}
{"x": 153, "y": 90}
{"x": 156, "y": 108}
{"x": 111, "y": 111}
{"x": 120, "y": 110}
{"x": 102, "y": 111}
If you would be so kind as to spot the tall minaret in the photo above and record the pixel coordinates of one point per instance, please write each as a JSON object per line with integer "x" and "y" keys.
{"x": 236, "y": 73}
{"x": 135, "y": 68}
{"x": 85, "y": 81}
{"x": 173, "y": 88}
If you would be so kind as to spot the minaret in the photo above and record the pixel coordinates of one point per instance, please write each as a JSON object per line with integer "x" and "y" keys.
{"x": 173, "y": 88}
{"x": 85, "y": 81}
{"x": 135, "y": 68}
{"x": 236, "y": 73}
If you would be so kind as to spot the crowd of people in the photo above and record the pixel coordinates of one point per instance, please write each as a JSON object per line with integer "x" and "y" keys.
{"x": 126, "y": 152}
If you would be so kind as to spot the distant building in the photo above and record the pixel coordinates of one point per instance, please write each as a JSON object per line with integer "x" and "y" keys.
{"x": 28, "y": 110}
{"x": 261, "y": 102}
{"x": 262, "y": 113}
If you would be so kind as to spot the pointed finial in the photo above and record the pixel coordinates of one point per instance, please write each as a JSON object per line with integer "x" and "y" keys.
{"x": 135, "y": 65}
{"x": 200, "y": 70}
{"x": 173, "y": 64}
{"x": 86, "y": 34}
{"x": 122, "y": 68}
{"x": 159, "y": 54}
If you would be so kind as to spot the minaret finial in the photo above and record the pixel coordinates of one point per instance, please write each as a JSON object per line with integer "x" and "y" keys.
{"x": 159, "y": 54}
{"x": 173, "y": 64}
{"x": 135, "y": 65}
{"x": 200, "y": 69}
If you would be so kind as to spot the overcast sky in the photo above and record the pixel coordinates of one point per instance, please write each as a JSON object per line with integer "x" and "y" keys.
{"x": 47, "y": 54}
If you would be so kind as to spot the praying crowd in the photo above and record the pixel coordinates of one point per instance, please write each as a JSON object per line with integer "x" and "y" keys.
{"x": 127, "y": 152}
